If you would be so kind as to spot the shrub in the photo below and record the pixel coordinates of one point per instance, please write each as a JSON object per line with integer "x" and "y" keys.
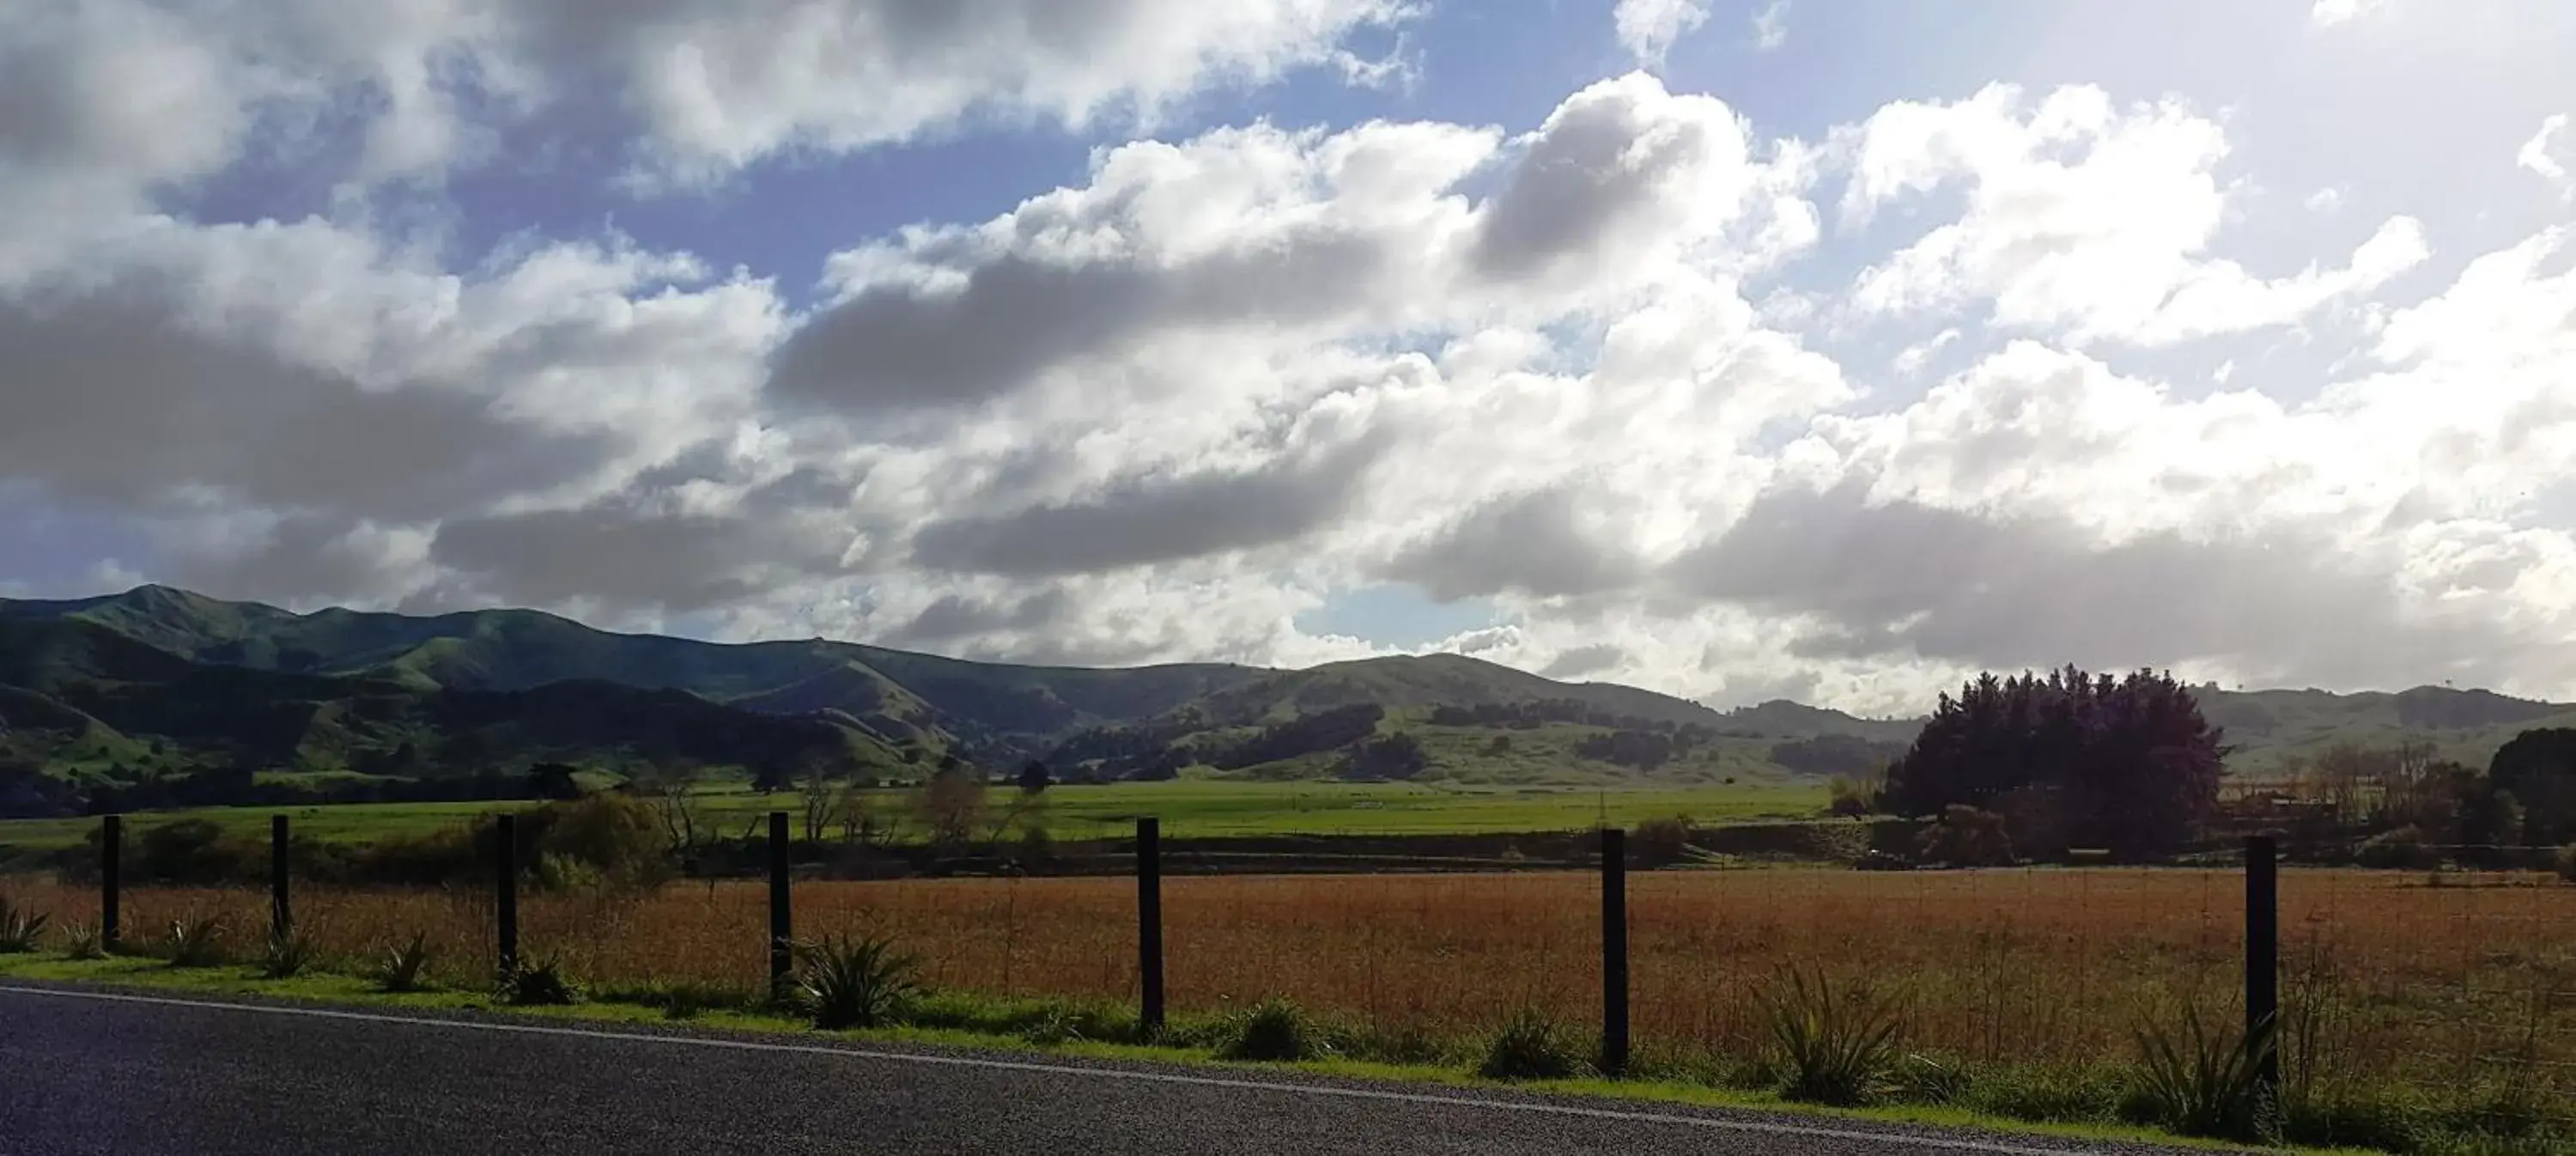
{"x": 1530, "y": 1046}
{"x": 286, "y": 954}
{"x": 853, "y": 982}
{"x": 84, "y": 941}
{"x": 1966, "y": 837}
{"x": 1835, "y": 1047}
{"x": 2400, "y": 849}
{"x": 542, "y": 984}
{"x": 19, "y": 927}
{"x": 2567, "y": 862}
{"x": 2389, "y": 1120}
{"x": 2207, "y": 1081}
{"x": 1661, "y": 841}
{"x": 1926, "y": 1079}
{"x": 1275, "y": 1029}
{"x": 400, "y": 969}
{"x": 196, "y": 942}
{"x": 1853, "y": 797}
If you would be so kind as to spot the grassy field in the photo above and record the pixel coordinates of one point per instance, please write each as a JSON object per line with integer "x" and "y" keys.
{"x": 1188, "y": 809}
{"x": 2459, "y": 988}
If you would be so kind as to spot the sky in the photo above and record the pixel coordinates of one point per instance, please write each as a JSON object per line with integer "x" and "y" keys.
{"x": 1824, "y": 349}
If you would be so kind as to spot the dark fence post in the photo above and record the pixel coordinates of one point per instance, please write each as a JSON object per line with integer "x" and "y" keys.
{"x": 1614, "y": 951}
{"x": 281, "y": 912}
{"x": 506, "y": 898}
{"x": 782, "y": 928}
{"x": 111, "y": 850}
{"x": 2263, "y": 952}
{"x": 1149, "y": 919}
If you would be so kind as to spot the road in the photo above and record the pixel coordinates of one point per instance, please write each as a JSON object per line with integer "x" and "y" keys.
{"x": 87, "y": 1071}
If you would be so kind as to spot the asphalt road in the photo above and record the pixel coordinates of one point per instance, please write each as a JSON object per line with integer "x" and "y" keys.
{"x": 84, "y": 1071}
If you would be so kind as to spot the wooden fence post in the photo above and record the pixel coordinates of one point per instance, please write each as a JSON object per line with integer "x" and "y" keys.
{"x": 2263, "y": 955}
{"x": 281, "y": 910}
{"x": 1614, "y": 951}
{"x": 111, "y": 853}
{"x": 1149, "y": 920}
{"x": 506, "y": 897}
{"x": 782, "y": 928}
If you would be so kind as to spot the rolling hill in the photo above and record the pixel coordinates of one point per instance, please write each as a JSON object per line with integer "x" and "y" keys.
{"x": 155, "y": 677}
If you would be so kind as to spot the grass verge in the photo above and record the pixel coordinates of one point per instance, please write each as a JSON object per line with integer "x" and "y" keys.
{"x": 950, "y": 1019}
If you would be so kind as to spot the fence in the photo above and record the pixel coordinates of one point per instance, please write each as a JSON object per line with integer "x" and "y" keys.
{"x": 2457, "y": 981}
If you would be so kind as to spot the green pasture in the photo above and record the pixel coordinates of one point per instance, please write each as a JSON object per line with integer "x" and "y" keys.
{"x": 1187, "y": 808}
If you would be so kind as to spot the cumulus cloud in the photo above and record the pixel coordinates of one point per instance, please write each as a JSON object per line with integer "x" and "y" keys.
{"x": 2329, "y": 13}
{"x": 1648, "y": 29}
{"x": 2062, "y": 382}
{"x": 1285, "y": 236}
{"x": 2083, "y": 218}
{"x": 2548, "y": 156}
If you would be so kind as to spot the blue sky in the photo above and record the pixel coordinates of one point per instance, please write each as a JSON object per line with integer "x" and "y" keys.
{"x": 1841, "y": 347}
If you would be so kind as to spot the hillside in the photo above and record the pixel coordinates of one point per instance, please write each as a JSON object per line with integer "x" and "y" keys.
{"x": 103, "y": 681}
{"x": 87, "y": 702}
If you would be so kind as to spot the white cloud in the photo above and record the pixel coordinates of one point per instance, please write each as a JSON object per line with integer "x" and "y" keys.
{"x": 105, "y": 97}
{"x": 1603, "y": 371}
{"x": 1911, "y": 360}
{"x": 2328, "y": 13}
{"x": 1648, "y": 29}
{"x": 1771, "y": 25}
{"x": 2547, "y": 155}
{"x": 2084, "y": 219}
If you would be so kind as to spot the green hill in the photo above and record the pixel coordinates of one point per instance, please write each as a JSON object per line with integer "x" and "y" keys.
{"x": 96, "y": 684}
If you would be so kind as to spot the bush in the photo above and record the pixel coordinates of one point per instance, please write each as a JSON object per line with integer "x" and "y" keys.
{"x": 84, "y": 941}
{"x": 1852, "y": 797}
{"x": 1275, "y": 1030}
{"x": 2051, "y": 1093}
{"x": 1661, "y": 841}
{"x": 2567, "y": 862}
{"x": 1835, "y": 1047}
{"x": 2385, "y": 1119}
{"x": 196, "y": 941}
{"x": 400, "y": 969}
{"x": 2400, "y": 849}
{"x": 2207, "y": 1081}
{"x": 853, "y": 982}
{"x": 1966, "y": 837}
{"x": 543, "y": 984}
{"x": 1530, "y": 1046}
{"x": 1922, "y": 1079}
{"x": 19, "y": 927}
{"x": 286, "y": 954}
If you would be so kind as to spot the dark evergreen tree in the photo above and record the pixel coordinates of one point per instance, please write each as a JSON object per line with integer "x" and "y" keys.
{"x": 2127, "y": 764}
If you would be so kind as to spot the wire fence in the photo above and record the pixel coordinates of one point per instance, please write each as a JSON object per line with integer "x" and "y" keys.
{"x": 2459, "y": 983}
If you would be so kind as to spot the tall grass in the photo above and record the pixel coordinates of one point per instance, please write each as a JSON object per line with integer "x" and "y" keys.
{"x": 2205, "y": 1080}
{"x": 1837, "y": 1045}
{"x": 20, "y": 927}
{"x": 2029, "y": 968}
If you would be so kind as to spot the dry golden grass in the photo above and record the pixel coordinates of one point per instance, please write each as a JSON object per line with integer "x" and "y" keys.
{"x": 2386, "y": 975}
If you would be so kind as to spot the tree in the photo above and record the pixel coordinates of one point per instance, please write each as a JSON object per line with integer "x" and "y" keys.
{"x": 822, "y": 799}
{"x": 553, "y": 781}
{"x": 1395, "y": 756}
{"x": 952, "y": 803}
{"x": 2538, "y": 768}
{"x": 672, "y": 791}
{"x": 770, "y": 777}
{"x": 2127, "y": 764}
{"x": 1034, "y": 777}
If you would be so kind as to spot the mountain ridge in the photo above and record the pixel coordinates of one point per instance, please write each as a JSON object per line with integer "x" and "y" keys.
{"x": 894, "y": 698}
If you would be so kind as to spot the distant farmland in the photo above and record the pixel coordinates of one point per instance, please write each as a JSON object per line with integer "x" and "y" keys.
{"x": 1188, "y": 809}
